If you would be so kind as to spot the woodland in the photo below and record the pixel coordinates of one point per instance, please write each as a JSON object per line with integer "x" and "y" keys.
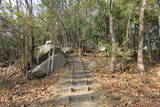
{"x": 128, "y": 68}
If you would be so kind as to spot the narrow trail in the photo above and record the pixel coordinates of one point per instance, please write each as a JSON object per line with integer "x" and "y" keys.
{"x": 80, "y": 85}
{"x": 77, "y": 86}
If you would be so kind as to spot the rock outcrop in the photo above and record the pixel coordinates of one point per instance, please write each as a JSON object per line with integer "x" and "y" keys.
{"x": 52, "y": 60}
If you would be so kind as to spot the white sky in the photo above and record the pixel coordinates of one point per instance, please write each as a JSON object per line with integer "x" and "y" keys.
{"x": 35, "y": 2}
{"x": 13, "y": 1}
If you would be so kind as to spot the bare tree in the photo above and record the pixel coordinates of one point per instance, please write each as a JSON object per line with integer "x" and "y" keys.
{"x": 112, "y": 34}
{"x": 159, "y": 24}
{"x": 30, "y": 10}
{"x": 140, "y": 64}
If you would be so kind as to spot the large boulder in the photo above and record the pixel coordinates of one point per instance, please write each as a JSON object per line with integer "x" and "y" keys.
{"x": 43, "y": 52}
{"x": 59, "y": 51}
{"x": 59, "y": 61}
{"x": 47, "y": 50}
{"x": 49, "y": 58}
{"x": 46, "y": 67}
{"x": 42, "y": 70}
{"x": 43, "y": 49}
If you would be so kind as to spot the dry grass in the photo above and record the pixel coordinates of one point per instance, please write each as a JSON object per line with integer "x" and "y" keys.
{"x": 15, "y": 90}
{"x": 121, "y": 89}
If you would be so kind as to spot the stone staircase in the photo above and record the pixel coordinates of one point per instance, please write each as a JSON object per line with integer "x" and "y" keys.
{"x": 77, "y": 87}
{"x": 80, "y": 84}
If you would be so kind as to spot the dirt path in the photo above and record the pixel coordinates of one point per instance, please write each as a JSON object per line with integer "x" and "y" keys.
{"x": 77, "y": 86}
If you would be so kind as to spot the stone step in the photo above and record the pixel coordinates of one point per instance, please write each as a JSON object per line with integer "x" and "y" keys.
{"x": 81, "y": 82}
{"x": 85, "y": 75}
{"x": 82, "y": 72}
{"x": 76, "y": 79}
{"x": 84, "y": 104}
{"x": 81, "y": 66}
{"x": 82, "y": 97}
{"x": 80, "y": 77}
{"x": 83, "y": 88}
{"x": 73, "y": 82}
{"x": 69, "y": 99}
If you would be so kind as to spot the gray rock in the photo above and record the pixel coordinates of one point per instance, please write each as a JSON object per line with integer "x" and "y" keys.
{"x": 43, "y": 49}
{"x": 46, "y": 66}
{"x": 59, "y": 61}
{"x": 89, "y": 46}
{"x": 43, "y": 52}
{"x": 47, "y": 51}
{"x": 67, "y": 50}
{"x": 57, "y": 50}
{"x": 43, "y": 69}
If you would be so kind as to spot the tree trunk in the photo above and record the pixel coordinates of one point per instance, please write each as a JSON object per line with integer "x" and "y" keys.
{"x": 149, "y": 48}
{"x": 159, "y": 24}
{"x": 126, "y": 43}
{"x": 33, "y": 46}
{"x": 158, "y": 53}
{"x": 112, "y": 34}
{"x": 30, "y": 11}
{"x": 141, "y": 38}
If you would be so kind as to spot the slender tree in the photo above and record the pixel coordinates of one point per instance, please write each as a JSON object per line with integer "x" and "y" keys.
{"x": 159, "y": 24}
{"x": 141, "y": 67}
{"x": 112, "y": 34}
{"x": 30, "y": 11}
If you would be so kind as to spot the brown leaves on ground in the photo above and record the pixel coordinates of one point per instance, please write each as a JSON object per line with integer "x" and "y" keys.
{"x": 119, "y": 89}
{"x": 16, "y": 90}
{"x": 128, "y": 88}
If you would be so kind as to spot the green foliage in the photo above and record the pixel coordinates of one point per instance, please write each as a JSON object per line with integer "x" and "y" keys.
{"x": 7, "y": 47}
{"x": 77, "y": 20}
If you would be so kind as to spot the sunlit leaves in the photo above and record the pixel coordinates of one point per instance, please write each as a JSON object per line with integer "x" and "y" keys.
{"x": 19, "y": 13}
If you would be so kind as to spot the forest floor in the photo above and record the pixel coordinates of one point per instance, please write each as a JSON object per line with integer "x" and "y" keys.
{"x": 16, "y": 90}
{"x": 117, "y": 89}
{"x": 130, "y": 88}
